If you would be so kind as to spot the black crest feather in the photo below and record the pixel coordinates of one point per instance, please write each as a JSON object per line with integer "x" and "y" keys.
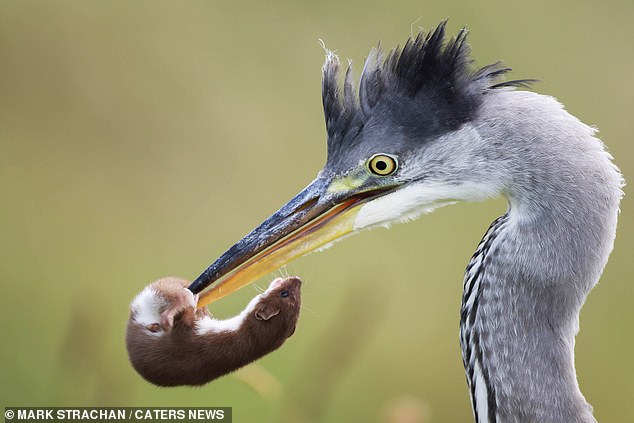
{"x": 427, "y": 85}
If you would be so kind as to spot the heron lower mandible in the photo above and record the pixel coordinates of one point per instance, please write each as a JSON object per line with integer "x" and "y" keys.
{"x": 425, "y": 131}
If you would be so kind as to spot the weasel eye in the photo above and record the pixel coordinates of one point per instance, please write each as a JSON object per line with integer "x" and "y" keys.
{"x": 382, "y": 164}
{"x": 154, "y": 327}
{"x": 284, "y": 294}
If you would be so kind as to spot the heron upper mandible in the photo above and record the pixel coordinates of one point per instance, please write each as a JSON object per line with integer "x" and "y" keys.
{"x": 425, "y": 131}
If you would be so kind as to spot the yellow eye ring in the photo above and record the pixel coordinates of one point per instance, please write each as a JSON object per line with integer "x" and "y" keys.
{"x": 382, "y": 164}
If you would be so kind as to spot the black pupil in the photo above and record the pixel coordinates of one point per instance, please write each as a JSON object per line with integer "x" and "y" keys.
{"x": 381, "y": 165}
{"x": 284, "y": 294}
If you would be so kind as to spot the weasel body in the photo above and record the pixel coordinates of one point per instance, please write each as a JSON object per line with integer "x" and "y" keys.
{"x": 170, "y": 343}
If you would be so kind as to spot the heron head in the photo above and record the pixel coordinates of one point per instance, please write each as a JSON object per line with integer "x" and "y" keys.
{"x": 399, "y": 146}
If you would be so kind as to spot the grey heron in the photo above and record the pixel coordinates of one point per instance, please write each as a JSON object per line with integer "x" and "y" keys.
{"x": 423, "y": 130}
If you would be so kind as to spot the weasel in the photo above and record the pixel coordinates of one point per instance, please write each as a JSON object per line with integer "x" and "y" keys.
{"x": 171, "y": 343}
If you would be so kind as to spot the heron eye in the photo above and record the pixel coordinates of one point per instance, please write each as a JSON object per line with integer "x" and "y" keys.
{"x": 382, "y": 164}
{"x": 284, "y": 294}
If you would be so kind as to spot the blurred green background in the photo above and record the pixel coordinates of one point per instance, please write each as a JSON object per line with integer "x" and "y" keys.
{"x": 141, "y": 139}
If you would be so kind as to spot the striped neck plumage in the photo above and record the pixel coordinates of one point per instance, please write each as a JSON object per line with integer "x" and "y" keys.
{"x": 481, "y": 389}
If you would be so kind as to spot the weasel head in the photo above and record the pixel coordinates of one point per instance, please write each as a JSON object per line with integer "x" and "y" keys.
{"x": 281, "y": 301}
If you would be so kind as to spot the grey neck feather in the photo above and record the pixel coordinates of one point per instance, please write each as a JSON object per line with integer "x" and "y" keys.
{"x": 530, "y": 276}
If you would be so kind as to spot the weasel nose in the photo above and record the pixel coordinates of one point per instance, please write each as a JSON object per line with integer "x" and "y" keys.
{"x": 292, "y": 281}
{"x": 295, "y": 281}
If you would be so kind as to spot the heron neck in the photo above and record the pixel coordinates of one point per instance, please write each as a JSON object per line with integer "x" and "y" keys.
{"x": 530, "y": 276}
{"x": 517, "y": 333}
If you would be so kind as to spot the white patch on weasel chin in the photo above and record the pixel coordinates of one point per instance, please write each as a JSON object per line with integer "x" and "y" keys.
{"x": 211, "y": 325}
{"x": 146, "y": 305}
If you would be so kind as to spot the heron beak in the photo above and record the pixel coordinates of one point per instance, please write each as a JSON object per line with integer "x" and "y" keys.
{"x": 323, "y": 212}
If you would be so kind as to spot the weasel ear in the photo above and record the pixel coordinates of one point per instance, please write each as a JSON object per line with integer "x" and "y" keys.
{"x": 167, "y": 320}
{"x": 266, "y": 311}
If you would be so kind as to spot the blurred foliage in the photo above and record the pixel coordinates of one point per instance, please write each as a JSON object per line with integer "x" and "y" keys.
{"x": 141, "y": 139}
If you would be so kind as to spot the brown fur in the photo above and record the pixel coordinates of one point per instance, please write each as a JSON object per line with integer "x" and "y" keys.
{"x": 179, "y": 356}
